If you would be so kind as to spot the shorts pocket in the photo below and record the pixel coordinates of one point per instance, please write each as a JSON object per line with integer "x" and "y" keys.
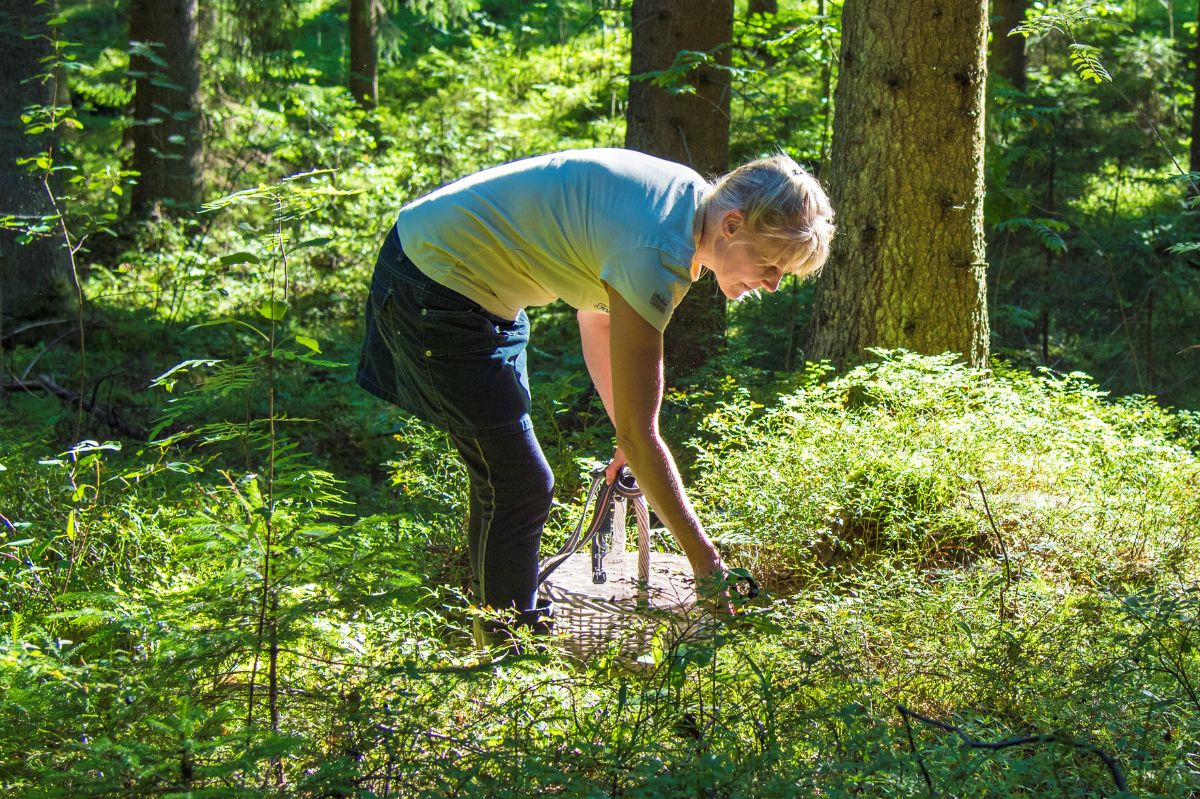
{"x": 453, "y": 325}
{"x": 457, "y": 333}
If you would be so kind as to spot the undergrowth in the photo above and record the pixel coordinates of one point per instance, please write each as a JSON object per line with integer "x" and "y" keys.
{"x": 1010, "y": 556}
{"x": 979, "y": 584}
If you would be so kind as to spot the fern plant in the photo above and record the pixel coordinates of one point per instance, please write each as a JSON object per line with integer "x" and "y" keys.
{"x": 274, "y": 532}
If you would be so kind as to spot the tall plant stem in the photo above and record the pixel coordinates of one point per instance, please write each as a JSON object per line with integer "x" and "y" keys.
{"x": 987, "y": 508}
{"x": 273, "y": 654}
{"x": 268, "y": 625}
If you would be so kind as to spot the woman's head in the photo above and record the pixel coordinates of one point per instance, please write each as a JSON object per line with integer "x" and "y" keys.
{"x": 782, "y": 211}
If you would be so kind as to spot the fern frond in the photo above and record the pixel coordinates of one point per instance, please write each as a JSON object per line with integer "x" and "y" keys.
{"x": 1086, "y": 60}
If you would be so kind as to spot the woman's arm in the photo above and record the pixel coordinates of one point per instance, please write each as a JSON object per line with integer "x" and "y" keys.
{"x": 594, "y": 333}
{"x": 636, "y": 384}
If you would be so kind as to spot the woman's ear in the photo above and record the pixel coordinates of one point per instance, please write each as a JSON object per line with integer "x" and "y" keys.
{"x": 731, "y": 222}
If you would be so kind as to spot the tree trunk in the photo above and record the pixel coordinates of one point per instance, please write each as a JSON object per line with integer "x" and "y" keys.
{"x": 689, "y": 128}
{"x": 770, "y": 7}
{"x": 166, "y": 106}
{"x": 364, "y": 60}
{"x": 34, "y": 277}
{"x": 907, "y": 268}
{"x": 1008, "y": 52}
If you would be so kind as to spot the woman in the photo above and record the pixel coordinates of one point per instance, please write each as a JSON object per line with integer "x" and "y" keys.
{"x": 618, "y": 235}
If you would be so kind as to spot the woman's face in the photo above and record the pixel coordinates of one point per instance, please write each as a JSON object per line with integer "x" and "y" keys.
{"x": 737, "y": 264}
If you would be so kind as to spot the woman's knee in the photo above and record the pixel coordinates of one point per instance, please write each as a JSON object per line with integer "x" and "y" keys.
{"x": 531, "y": 490}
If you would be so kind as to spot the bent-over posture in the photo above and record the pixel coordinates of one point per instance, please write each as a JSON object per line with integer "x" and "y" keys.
{"x": 618, "y": 235}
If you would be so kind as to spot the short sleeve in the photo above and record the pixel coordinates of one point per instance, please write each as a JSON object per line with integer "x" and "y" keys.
{"x": 651, "y": 286}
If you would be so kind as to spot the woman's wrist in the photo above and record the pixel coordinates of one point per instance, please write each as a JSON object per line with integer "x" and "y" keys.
{"x": 705, "y": 559}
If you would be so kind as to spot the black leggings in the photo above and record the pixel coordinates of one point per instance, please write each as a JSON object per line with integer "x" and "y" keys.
{"x": 511, "y": 491}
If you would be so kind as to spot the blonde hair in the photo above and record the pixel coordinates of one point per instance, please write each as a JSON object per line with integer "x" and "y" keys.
{"x": 785, "y": 212}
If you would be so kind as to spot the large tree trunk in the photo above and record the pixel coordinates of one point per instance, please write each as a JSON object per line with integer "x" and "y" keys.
{"x": 166, "y": 106}
{"x": 907, "y": 268}
{"x": 690, "y": 128}
{"x": 1008, "y": 52}
{"x": 364, "y": 61}
{"x": 34, "y": 277}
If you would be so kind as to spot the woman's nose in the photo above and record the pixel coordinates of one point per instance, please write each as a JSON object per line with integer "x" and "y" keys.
{"x": 771, "y": 282}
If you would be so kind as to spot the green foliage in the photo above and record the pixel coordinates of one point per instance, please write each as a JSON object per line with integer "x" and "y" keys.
{"x": 891, "y": 459}
{"x": 265, "y": 600}
{"x": 1087, "y": 200}
{"x": 784, "y": 68}
{"x": 1086, "y": 60}
{"x": 1068, "y": 18}
{"x": 1060, "y": 609}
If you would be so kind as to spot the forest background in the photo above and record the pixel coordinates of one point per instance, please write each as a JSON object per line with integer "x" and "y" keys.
{"x": 226, "y": 571}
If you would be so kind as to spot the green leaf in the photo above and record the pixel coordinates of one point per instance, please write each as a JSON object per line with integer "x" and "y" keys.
{"x": 227, "y": 321}
{"x": 311, "y": 343}
{"x": 319, "y": 532}
{"x": 24, "y": 542}
{"x": 273, "y": 310}
{"x": 239, "y": 258}
{"x": 320, "y": 362}
{"x": 167, "y": 379}
{"x": 317, "y": 242}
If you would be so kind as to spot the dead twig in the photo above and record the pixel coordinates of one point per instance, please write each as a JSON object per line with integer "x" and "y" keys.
{"x": 106, "y": 415}
{"x": 1003, "y": 551}
{"x": 1114, "y": 767}
{"x": 25, "y": 328}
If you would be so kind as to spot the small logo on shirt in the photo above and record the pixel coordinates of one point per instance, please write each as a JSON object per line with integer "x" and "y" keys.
{"x": 660, "y": 303}
{"x": 601, "y": 307}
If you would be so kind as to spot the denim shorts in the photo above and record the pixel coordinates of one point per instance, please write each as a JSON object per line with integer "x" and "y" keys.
{"x": 441, "y": 356}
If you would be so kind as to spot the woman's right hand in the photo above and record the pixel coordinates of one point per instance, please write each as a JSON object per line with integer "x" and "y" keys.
{"x": 614, "y": 466}
{"x": 710, "y": 577}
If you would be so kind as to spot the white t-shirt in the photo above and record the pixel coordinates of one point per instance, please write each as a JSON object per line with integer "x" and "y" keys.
{"x": 557, "y": 225}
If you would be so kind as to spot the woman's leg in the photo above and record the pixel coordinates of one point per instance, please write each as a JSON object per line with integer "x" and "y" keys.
{"x": 512, "y": 489}
{"x": 447, "y": 360}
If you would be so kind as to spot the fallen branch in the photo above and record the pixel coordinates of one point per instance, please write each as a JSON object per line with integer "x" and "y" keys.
{"x": 23, "y": 328}
{"x": 1048, "y": 738}
{"x": 106, "y": 415}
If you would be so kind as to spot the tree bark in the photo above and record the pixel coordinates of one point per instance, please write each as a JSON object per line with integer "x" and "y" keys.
{"x": 34, "y": 277}
{"x": 689, "y": 128}
{"x": 769, "y": 7}
{"x": 166, "y": 107}
{"x": 906, "y": 169}
{"x": 1007, "y": 58}
{"x": 364, "y": 60}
